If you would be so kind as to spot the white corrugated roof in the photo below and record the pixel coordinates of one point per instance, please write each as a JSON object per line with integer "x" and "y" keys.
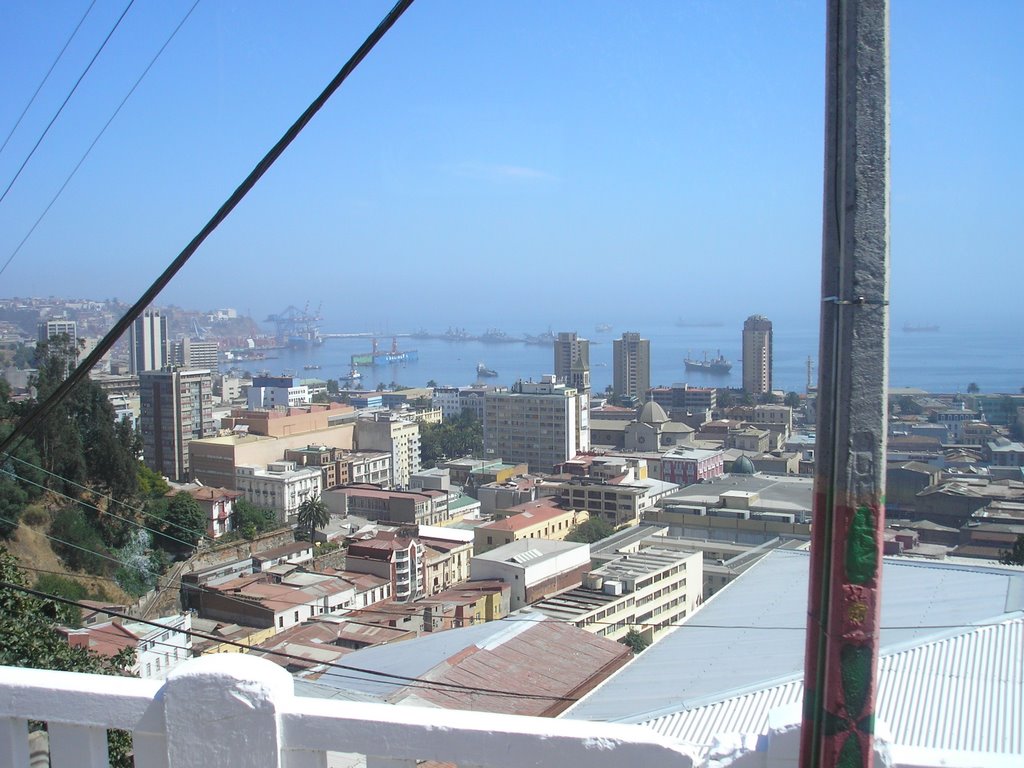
{"x": 960, "y": 694}
{"x": 751, "y": 634}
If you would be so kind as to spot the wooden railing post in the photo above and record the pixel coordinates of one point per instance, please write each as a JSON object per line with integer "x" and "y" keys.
{"x": 223, "y": 710}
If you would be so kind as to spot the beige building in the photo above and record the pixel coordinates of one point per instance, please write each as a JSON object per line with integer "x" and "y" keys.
{"x": 213, "y": 460}
{"x": 648, "y": 591}
{"x": 631, "y": 366}
{"x": 757, "y": 355}
{"x": 572, "y": 361}
{"x": 541, "y": 519}
{"x": 540, "y": 424}
{"x": 400, "y": 438}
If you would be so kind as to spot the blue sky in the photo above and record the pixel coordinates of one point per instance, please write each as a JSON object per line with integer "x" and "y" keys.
{"x": 620, "y": 161}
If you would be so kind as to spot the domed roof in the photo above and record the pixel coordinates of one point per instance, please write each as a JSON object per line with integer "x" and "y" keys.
{"x": 651, "y": 413}
{"x": 743, "y": 466}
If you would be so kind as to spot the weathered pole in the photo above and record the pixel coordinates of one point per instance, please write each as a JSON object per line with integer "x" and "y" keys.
{"x": 849, "y": 514}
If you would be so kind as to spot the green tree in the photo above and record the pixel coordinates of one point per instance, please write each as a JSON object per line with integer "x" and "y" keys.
{"x": 78, "y": 543}
{"x": 432, "y": 384}
{"x": 461, "y": 436}
{"x": 183, "y": 523}
{"x": 28, "y": 638}
{"x": 1014, "y": 555}
{"x": 250, "y": 520}
{"x": 332, "y": 387}
{"x": 792, "y": 400}
{"x": 636, "y": 641}
{"x": 589, "y": 531}
{"x": 972, "y": 388}
{"x": 151, "y": 484}
{"x": 313, "y": 516}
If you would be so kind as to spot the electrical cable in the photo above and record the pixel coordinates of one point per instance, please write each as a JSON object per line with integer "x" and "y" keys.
{"x": 415, "y": 681}
{"x": 46, "y": 77}
{"x": 99, "y": 135}
{"x": 67, "y": 99}
{"x": 107, "y": 342}
{"x": 141, "y": 511}
{"x": 356, "y": 612}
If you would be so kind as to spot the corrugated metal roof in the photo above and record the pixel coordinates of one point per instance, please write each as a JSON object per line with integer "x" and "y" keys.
{"x": 751, "y": 633}
{"x": 962, "y": 694}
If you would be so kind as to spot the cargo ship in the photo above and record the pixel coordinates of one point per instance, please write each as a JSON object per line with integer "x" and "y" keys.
{"x": 483, "y": 371}
{"x": 386, "y": 357}
{"x": 718, "y": 365}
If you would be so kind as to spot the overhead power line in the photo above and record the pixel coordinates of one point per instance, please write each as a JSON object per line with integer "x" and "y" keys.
{"x": 99, "y": 135}
{"x": 67, "y": 99}
{"x": 114, "y": 334}
{"x": 407, "y": 679}
{"x": 47, "y": 75}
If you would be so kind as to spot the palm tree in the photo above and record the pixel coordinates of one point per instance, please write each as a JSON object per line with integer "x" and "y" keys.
{"x": 313, "y": 515}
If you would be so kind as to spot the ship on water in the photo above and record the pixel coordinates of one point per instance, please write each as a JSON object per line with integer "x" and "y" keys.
{"x": 717, "y": 365}
{"x": 482, "y": 371}
{"x": 602, "y": 328}
{"x": 385, "y": 357}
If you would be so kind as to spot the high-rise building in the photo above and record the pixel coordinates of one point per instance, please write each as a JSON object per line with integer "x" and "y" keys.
{"x": 148, "y": 342}
{"x": 401, "y": 438}
{"x": 757, "y": 355}
{"x": 572, "y": 361}
{"x": 176, "y": 408}
{"x": 538, "y": 423}
{"x": 190, "y": 353}
{"x": 55, "y": 329}
{"x": 50, "y": 328}
{"x": 631, "y": 364}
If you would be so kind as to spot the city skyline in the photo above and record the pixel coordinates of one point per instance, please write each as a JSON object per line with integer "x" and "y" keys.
{"x": 509, "y": 134}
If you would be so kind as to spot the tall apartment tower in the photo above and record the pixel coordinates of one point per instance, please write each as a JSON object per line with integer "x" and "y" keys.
{"x": 148, "y": 341}
{"x": 757, "y": 355}
{"x": 49, "y": 329}
{"x": 176, "y": 408}
{"x": 572, "y": 361}
{"x": 631, "y": 364}
{"x": 541, "y": 424}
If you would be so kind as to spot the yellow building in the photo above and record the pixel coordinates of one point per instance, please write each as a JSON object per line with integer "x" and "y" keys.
{"x": 541, "y": 519}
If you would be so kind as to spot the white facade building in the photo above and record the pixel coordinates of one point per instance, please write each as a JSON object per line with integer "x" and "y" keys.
{"x": 282, "y": 487}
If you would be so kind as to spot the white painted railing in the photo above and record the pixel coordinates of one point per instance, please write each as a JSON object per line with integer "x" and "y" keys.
{"x": 235, "y": 710}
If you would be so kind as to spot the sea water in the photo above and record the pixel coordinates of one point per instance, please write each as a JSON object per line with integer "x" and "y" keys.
{"x": 943, "y": 361}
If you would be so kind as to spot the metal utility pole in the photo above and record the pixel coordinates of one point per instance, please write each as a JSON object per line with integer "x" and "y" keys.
{"x": 849, "y": 514}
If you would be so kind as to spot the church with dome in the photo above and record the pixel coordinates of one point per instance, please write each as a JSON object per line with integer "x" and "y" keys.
{"x": 649, "y": 429}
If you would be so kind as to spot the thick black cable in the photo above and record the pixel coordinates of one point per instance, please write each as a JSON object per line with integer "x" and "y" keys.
{"x": 147, "y": 298}
{"x": 99, "y": 135}
{"x": 67, "y": 98}
{"x": 47, "y": 76}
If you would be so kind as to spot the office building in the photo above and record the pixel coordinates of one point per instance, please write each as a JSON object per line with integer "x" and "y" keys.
{"x": 395, "y": 436}
{"x": 757, "y": 355}
{"x": 572, "y": 361}
{"x": 176, "y": 408}
{"x": 55, "y": 329}
{"x": 631, "y": 363}
{"x": 190, "y": 353}
{"x": 539, "y": 424}
{"x": 147, "y": 339}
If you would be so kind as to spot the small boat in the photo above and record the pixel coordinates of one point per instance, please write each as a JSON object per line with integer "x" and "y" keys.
{"x": 484, "y": 372}
{"x": 311, "y": 367}
{"x": 602, "y": 327}
{"x": 718, "y": 365}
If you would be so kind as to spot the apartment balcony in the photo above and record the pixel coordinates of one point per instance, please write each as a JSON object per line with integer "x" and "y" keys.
{"x": 234, "y": 710}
